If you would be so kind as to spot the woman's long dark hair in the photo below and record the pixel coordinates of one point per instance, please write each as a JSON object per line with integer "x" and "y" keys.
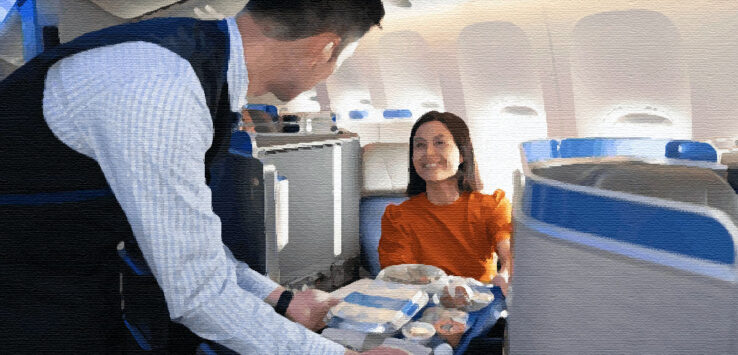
{"x": 467, "y": 176}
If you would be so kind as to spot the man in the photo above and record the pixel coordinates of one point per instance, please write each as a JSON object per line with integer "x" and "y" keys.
{"x": 110, "y": 136}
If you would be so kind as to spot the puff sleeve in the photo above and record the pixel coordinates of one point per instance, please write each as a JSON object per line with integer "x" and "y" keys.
{"x": 396, "y": 246}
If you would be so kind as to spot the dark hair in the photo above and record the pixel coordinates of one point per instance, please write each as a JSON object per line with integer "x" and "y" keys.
{"x": 295, "y": 19}
{"x": 467, "y": 176}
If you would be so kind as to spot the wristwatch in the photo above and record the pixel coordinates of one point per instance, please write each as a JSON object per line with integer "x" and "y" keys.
{"x": 284, "y": 301}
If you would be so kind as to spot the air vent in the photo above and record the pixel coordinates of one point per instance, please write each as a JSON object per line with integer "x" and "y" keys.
{"x": 520, "y": 111}
{"x": 401, "y": 3}
{"x": 644, "y": 118}
{"x": 430, "y": 104}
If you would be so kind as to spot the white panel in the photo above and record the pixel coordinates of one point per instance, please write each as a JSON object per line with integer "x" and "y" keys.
{"x": 305, "y": 102}
{"x": 337, "y": 215}
{"x": 503, "y": 98}
{"x": 630, "y": 62}
{"x": 283, "y": 213}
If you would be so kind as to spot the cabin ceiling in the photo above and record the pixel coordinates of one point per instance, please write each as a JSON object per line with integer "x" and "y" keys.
{"x": 128, "y": 9}
{"x": 133, "y": 8}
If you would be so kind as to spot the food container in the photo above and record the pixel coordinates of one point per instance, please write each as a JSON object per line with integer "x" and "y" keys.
{"x": 411, "y": 274}
{"x": 419, "y": 332}
{"x": 377, "y": 307}
{"x": 434, "y": 314}
{"x": 450, "y": 330}
{"x": 466, "y": 294}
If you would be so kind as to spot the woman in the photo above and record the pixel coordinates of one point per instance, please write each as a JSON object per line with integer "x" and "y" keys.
{"x": 447, "y": 222}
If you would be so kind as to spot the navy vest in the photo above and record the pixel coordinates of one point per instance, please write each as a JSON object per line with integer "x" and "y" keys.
{"x": 60, "y": 223}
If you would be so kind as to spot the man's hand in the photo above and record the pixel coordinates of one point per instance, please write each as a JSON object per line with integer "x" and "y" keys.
{"x": 382, "y": 350}
{"x": 310, "y": 307}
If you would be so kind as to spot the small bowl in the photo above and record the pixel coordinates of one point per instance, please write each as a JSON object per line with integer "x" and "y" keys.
{"x": 450, "y": 330}
{"x": 419, "y": 332}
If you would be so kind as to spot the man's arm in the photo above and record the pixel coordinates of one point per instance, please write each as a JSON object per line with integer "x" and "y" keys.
{"x": 307, "y": 307}
{"x": 149, "y": 131}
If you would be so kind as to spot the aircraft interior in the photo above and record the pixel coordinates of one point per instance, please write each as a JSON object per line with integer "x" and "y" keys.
{"x": 612, "y": 127}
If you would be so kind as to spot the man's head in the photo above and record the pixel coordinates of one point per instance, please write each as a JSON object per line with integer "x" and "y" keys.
{"x": 300, "y": 41}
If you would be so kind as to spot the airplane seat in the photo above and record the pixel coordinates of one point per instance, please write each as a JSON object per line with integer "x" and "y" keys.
{"x": 677, "y": 183}
{"x": 594, "y": 265}
{"x": 210, "y": 348}
{"x": 594, "y": 261}
{"x": 671, "y": 182}
{"x": 730, "y": 159}
{"x": 385, "y": 177}
{"x": 690, "y": 150}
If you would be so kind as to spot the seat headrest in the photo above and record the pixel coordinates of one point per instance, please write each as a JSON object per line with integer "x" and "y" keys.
{"x": 672, "y": 182}
{"x": 385, "y": 168}
{"x": 677, "y": 183}
{"x": 730, "y": 159}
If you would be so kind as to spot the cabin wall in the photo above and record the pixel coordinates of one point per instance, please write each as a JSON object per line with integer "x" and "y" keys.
{"x": 696, "y": 83}
{"x": 668, "y": 71}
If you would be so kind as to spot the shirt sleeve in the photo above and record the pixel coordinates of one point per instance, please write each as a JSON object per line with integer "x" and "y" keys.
{"x": 499, "y": 220}
{"x": 396, "y": 246}
{"x": 149, "y": 132}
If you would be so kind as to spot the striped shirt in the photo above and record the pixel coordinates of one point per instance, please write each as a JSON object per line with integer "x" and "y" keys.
{"x": 139, "y": 110}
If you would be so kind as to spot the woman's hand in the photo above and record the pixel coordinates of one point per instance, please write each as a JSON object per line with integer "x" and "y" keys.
{"x": 460, "y": 299}
{"x": 500, "y": 280}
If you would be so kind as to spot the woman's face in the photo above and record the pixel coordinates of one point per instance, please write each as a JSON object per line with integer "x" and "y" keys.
{"x": 435, "y": 155}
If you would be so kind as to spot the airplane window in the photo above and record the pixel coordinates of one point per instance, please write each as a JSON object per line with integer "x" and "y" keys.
{"x": 408, "y": 75}
{"x": 349, "y": 90}
{"x": 502, "y": 96}
{"x": 628, "y": 83}
{"x": 5, "y": 7}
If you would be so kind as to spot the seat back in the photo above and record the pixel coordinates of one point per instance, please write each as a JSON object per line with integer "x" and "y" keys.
{"x": 597, "y": 269}
{"x": 385, "y": 177}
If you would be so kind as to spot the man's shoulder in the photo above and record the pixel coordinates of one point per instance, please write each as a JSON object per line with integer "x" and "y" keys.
{"x": 127, "y": 62}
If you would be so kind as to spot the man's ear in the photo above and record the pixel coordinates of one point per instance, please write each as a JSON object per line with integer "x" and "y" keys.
{"x": 324, "y": 47}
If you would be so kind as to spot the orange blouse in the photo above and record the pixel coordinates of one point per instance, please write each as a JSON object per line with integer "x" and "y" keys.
{"x": 459, "y": 238}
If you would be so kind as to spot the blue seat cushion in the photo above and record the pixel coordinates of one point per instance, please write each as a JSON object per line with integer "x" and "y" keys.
{"x": 370, "y": 228}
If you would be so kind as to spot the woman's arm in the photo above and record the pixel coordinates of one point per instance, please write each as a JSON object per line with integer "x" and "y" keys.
{"x": 500, "y": 226}
{"x": 395, "y": 245}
